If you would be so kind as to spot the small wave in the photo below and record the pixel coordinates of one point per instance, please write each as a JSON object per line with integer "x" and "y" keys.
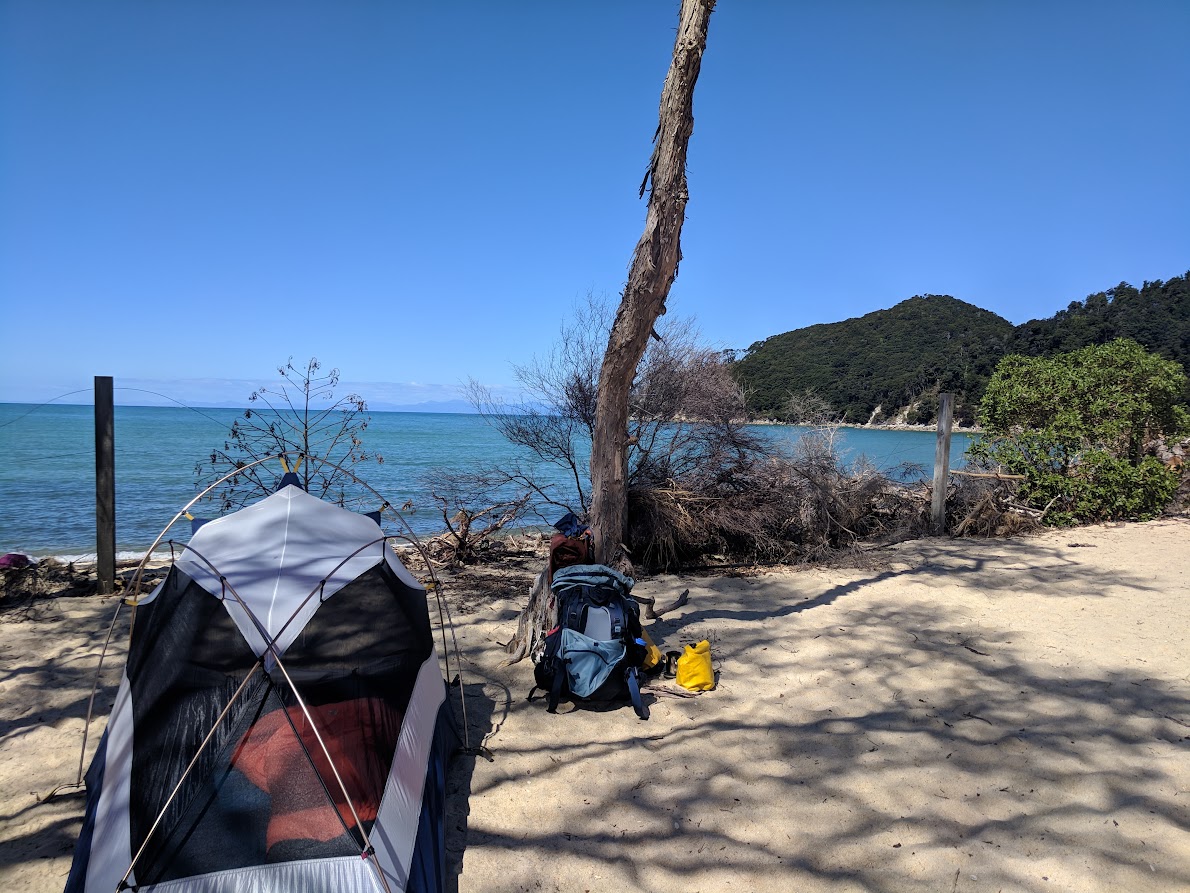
{"x": 88, "y": 557}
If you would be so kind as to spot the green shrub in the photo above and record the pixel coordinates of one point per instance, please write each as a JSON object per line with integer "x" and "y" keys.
{"x": 1080, "y": 427}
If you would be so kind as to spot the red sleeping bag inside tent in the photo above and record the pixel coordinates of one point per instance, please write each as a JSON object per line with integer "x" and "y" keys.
{"x": 360, "y": 736}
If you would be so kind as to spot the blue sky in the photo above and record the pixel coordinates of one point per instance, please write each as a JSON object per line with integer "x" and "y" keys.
{"x": 418, "y": 193}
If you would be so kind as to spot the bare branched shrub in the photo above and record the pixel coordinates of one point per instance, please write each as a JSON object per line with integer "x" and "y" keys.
{"x": 299, "y": 416}
{"x": 686, "y": 410}
{"x": 554, "y": 420}
{"x": 837, "y": 504}
{"x": 687, "y": 413}
{"x": 808, "y": 407}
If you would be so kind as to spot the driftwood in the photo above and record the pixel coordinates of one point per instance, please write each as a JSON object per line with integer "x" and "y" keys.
{"x": 652, "y": 612}
{"x": 537, "y": 618}
{"x": 468, "y": 529}
{"x": 995, "y": 475}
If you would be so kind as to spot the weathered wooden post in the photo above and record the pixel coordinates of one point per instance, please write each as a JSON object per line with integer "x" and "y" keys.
{"x": 942, "y": 462}
{"x": 105, "y": 485}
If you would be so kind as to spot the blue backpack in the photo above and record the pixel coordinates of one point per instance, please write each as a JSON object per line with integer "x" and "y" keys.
{"x": 596, "y": 651}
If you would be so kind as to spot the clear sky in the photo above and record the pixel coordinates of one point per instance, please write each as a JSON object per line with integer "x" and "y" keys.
{"x": 418, "y": 193}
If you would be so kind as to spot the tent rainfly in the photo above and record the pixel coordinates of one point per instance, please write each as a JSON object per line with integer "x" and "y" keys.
{"x": 281, "y": 723}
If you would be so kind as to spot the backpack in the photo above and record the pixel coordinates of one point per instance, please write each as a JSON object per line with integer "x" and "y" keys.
{"x": 596, "y": 651}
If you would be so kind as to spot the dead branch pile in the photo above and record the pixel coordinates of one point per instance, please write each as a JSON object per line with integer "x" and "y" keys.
{"x": 977, "y": 506}
{"x": 1176, "y": 457}
{"x": 21, "y": 585}
{"x": 799, "y": 506}
{"x": 469, "y": 532}
{"x": 48, "y": 579}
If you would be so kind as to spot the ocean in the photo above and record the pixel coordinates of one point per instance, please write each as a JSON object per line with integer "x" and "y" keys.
{"x": 47, "y": 472}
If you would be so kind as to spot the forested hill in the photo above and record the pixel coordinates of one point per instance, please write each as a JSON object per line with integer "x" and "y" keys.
{"x": 897, "y": 360}
{"x": 883, "y": 361}
{"x": 1157, "y": 315}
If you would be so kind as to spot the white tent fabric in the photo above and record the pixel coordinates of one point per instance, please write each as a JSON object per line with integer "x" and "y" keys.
{"x": 111, "y": 846}
{"x": 275, "y": 553}
{"x": 393, "y": 834}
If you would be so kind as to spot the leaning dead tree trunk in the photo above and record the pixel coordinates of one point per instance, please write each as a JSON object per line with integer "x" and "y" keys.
{"x": 654, "y": 267}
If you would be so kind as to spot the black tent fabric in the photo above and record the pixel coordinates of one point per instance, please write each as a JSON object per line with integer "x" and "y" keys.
{"x": 269, "y": 733}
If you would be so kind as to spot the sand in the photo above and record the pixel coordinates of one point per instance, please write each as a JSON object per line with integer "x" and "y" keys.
{"x": 960, "y": 715}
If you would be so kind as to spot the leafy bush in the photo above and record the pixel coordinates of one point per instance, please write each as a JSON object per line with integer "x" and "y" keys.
{"x": 1083, "y": 428}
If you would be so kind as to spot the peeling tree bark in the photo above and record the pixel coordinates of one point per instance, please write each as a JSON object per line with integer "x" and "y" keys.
{"x": 654, "y": 267}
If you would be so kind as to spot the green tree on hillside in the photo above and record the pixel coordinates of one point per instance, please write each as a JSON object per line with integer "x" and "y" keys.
{"x": 1156, "y": 315}
{"x": 1082, "y": 427}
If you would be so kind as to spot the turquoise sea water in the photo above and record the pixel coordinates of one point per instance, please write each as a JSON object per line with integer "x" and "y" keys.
{"x": 47, "y": 466}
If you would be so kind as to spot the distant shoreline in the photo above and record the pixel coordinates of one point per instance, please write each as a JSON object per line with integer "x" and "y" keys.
{"x": 957, "y": 429}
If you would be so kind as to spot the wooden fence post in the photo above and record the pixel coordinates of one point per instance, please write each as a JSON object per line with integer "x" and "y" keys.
{"x": 105, "y": 485}
{"x": 942, "y": 463}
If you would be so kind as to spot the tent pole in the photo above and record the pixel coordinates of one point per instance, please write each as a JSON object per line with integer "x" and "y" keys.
{"x": 95, "y": 687}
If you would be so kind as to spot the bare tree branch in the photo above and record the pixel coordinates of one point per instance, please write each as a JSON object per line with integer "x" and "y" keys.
{"x": 300, "y": 415}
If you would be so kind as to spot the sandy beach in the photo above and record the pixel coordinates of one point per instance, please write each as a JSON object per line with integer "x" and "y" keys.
{"x": 955, "y": 715}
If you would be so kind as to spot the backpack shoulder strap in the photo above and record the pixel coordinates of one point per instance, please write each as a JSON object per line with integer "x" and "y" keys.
{"x": 633, "y": 680}
{"x": 570, "y": 609}
{"x": 556, "y": 686}
{"x": 553, "y": 663}
{"x": 615, "y": 607}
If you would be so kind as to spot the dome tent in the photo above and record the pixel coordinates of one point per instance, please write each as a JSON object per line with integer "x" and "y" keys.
{"x": 281, "y": 715}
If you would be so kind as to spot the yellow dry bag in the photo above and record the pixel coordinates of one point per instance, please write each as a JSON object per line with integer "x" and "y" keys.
{"x": 652, "y": 652}
{"x": 694, "y": 668}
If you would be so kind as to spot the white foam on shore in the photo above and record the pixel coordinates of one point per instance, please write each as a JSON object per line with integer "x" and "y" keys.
{"x": 87, "y": 557}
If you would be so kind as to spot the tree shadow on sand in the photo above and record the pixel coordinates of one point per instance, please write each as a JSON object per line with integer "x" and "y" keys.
{"x": 918, "y": 740}
{"x": 44, "y": 705}
{"x": 487, "y": 706}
